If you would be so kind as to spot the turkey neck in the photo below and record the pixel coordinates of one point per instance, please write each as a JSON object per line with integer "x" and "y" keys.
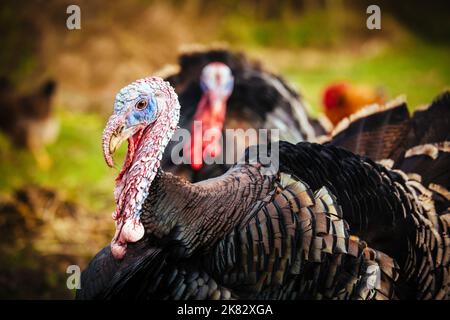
{"x": 195, "y": 216}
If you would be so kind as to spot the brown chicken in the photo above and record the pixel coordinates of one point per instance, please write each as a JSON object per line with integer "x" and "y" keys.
{"x": 342, "y": 99}
{"x": 27, "y": 119}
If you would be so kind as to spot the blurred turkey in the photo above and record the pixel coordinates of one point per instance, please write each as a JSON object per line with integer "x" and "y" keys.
{"x": 224, "y": 90}
{"x": 323, "y": 224}
{"x": 27, "y": 119}
{"x": 342, "y": 99}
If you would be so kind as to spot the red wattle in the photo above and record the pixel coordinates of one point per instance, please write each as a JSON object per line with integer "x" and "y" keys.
{"x": 209, "y": 119}
{"x": 197, "y": 145}
{"x": 133, "y": 142}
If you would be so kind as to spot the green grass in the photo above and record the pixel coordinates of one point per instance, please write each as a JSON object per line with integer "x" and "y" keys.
{"x": 78, "y": 170}
{"x": 323, "y": 46}
{"x": 420, "y": 71}
{"x": 292, "y": 31}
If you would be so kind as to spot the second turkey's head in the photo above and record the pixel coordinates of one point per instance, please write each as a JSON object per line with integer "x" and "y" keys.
{"x": 216, "y": 82}
{"x": 146, "y": 114}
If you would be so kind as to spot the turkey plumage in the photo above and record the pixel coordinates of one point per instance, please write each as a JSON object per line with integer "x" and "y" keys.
{"x": 319, "y": 223}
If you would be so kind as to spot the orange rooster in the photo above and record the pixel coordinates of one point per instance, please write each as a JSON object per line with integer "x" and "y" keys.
{"x": 342, "y": 99}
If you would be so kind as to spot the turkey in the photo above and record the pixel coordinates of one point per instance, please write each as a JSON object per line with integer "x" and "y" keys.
{"x": 27, "y": 119}
{"x": 316, "y": 222}
{"x": 218, "y": 90}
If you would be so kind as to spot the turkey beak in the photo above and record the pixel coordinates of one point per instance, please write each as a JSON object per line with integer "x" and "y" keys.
{"x": 116, "y": 140}
{"x": 114, "y": 134}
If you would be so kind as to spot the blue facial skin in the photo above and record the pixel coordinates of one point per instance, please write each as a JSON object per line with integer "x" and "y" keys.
{"x": 125, "y": 105}
{"x": 228, "y": 86}
{"x": 144, "y": 116}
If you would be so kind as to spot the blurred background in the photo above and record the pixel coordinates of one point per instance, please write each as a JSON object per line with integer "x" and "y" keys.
{"x": 58, "y": 86}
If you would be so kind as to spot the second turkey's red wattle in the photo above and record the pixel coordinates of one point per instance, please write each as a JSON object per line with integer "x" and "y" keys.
{"x": 207, "y": 129}
{"x": 217, "y": 84}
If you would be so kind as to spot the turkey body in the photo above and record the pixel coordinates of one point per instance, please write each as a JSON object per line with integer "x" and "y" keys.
{"x": 259, "y": 100}
{"x": 255, "y": 236}
{"x": 321, "y": 223}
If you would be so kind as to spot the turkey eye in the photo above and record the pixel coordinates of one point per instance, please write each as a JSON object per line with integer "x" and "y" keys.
{"x": 141, "y": 104}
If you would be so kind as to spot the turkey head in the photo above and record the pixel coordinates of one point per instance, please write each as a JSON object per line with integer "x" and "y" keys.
{"x": 146, "y": 114}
